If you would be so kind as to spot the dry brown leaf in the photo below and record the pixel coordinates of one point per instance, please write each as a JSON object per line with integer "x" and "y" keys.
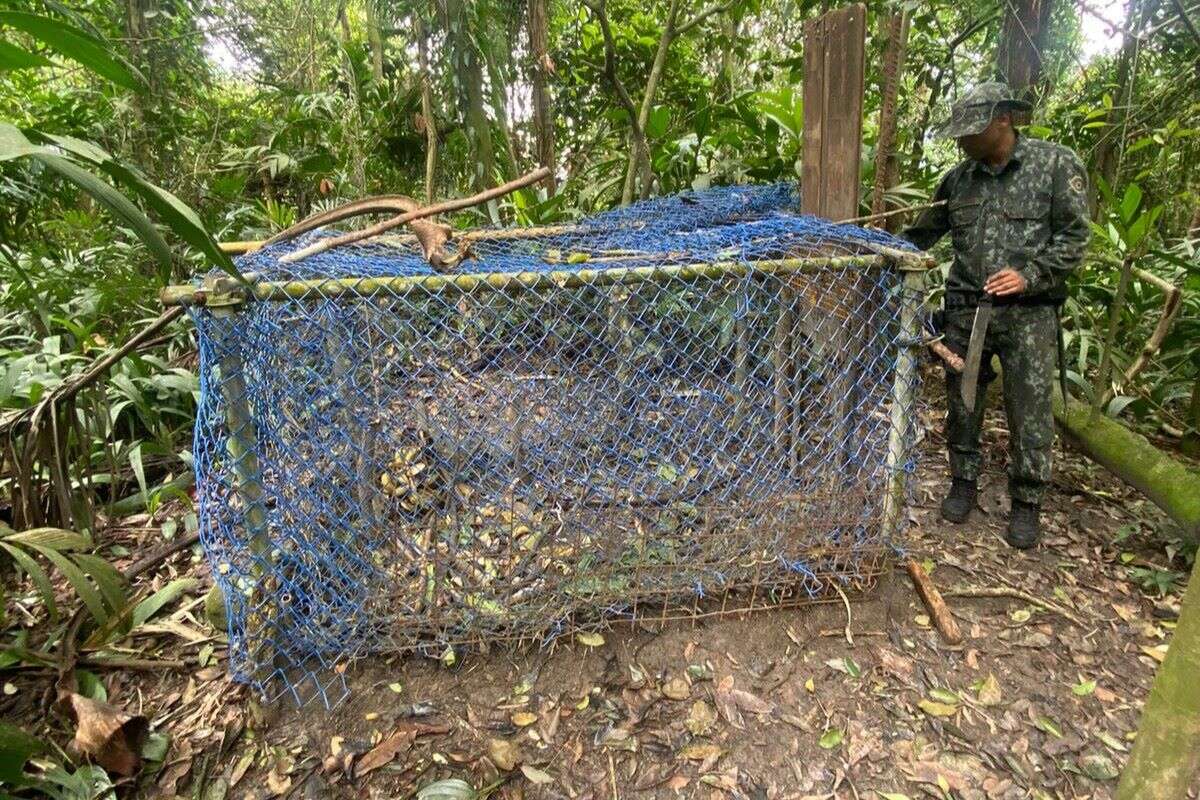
{"x": 1127, "y": 613}
{"x": 105, "y": 734}
{"x": 701, "y": 718}
{"x": 548, "y": 724}
{"x": 398, "y": 743}
{"x": 676, "y": 689}
{"x": 678, "y": 782}
{"x": 504, "y": 754}
{"x": 535, "y": 775}
{"x": 655, "y": 775}
{"x": 727, "y": 705}
{"x": 701, "y": 751}
{"x": 750, "y": 703}
{"x": 989, "y": 691}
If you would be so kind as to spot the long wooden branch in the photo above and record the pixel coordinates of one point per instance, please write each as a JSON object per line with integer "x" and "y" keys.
{"x": 1187, "y": 20}
{"x": 445, "y": 206}
{"x": 716, "y": 8}
{"x": 1172, "y": 302}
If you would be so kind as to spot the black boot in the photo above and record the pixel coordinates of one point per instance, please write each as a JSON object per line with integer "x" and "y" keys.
{"x": 1024, "y": 527}
{"x": 958, "y": 504}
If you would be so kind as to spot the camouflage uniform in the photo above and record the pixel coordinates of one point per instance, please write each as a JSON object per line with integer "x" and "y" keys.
{"x": 1031, "y": 215}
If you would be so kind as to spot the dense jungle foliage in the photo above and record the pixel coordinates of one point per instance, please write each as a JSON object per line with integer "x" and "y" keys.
{"x": 255, "y": 114}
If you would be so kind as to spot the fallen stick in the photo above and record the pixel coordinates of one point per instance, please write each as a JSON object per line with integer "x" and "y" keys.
{"x": 934, "y": 603}
{"x": 420, "y": 213}
{"x": 892, "y": 213}
{"x": 1015, "y": 594}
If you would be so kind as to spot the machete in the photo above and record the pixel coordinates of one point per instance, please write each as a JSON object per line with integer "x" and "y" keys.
{"x": 971, "y": 364}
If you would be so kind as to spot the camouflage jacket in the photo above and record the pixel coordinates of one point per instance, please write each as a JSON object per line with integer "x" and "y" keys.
{"x": 1031, "y": 215}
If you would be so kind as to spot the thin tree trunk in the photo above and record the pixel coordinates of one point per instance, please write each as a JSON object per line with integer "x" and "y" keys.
{"x": 1191, "y": 438}
{"x": 1112, "y": 145}
{"x": 354, "y": 125}
{"x": 427, "y": 118}
{"x": 1166, "y": 753}
{"x": 141, "y": 104}
{"x": 639, "y": 156}
{"x": 468, "y": 71}
{"x": 894, "y": 24}
{"x": 727, "y": 80}
{"x": 543, "y": 110}
{"x": 1020, "y": 52}
{"x": 375, "y": 39}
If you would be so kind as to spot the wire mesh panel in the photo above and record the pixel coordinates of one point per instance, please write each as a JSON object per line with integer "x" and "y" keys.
{"x": 688, "y": 407}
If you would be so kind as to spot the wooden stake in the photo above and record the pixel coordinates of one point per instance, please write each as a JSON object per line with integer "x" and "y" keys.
{"x": 932, "y": 598}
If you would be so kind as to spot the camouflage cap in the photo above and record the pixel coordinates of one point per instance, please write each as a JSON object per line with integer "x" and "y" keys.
{"x": 974, "y": 111}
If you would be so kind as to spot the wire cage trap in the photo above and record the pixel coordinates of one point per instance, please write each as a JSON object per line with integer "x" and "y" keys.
{"x": 693, "y": 406}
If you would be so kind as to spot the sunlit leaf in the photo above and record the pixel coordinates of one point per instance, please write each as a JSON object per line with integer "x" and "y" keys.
{"x": 13, "y": 57}
{"x": 77, "y": 45}
{"x": 831, "y": 738}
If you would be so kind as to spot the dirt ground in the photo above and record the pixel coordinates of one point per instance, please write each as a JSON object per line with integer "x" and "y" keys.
{"x": 1040, "y": 700}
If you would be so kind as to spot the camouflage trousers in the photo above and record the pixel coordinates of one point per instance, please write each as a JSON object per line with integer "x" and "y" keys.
{"x": 1026, "y": 340}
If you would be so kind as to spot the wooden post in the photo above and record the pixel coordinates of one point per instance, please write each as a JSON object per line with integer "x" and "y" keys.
{"x": 741, "y": 358}
{"x": 904, "y": 385}
{"x": 831, "y": 156}
{"x": 834, "y": 63}
{"x": 782, "y": 363}
{"x": 242, "y": 448}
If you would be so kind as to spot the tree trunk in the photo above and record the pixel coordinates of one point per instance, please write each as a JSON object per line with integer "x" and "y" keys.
{"x": 427, "y": 118}
{"x": 894, "y": 26}
{"x": 354, "y": 125}
{"x": 1191, "y": 438}
{"x": 543, "y": 111}
{"x": 468, "y": 71}
{"x": 375, "y": 38}
{"x": 639, "y": 155}
{"x": 1112, "y": 144}
{"x": 137, "y": 28}
{"x": 1021, "y": 51}
{"x": 1167, "y": 483}
{"x": 1166, "y": 754}
{"x": 727, "y": 78}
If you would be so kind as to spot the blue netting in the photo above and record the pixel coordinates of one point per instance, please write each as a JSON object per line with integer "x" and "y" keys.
{"x": 692, "y": 413}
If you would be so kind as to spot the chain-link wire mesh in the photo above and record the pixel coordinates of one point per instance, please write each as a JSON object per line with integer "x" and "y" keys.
{"x": 688, "y": 407}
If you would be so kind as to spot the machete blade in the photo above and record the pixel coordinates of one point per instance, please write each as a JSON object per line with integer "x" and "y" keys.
{"x": 971, "y": 364}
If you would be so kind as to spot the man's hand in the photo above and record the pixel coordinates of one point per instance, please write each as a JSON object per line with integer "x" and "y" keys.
{"x": 1005, "y": 282}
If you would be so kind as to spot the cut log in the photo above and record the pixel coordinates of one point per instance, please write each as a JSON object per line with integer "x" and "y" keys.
{"x": 1166, "y": 482}
{"x": 1165, "y": 757}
